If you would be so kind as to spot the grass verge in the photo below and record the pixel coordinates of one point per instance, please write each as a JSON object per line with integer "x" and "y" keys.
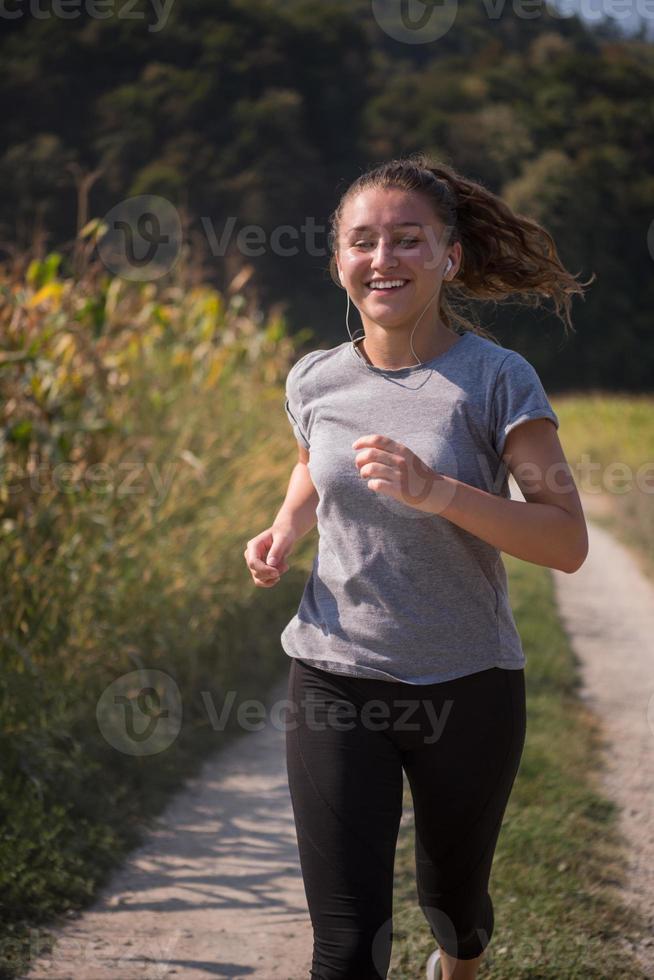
{"x": 609, "y": 442}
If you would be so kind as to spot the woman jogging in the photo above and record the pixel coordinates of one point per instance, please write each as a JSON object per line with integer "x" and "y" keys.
{"x": 405, "y": 654}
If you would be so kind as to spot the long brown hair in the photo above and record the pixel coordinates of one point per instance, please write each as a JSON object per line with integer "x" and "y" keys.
{"x": 504, "y": 254}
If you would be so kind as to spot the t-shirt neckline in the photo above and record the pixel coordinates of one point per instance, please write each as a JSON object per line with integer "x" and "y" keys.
{"x": 410, "y": 369}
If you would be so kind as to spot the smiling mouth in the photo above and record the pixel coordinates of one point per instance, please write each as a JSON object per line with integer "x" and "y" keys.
{"x": 386, "y": 289}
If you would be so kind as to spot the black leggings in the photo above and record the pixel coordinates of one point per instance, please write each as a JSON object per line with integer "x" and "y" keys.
{"x": 348, "y": 739}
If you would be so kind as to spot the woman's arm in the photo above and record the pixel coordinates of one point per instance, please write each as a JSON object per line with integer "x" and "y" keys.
{"x": 298, "y": 512}
{"x": 548, "y": 527}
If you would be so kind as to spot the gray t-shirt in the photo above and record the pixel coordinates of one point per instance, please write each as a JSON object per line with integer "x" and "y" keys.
{"x": 395, "y": 593}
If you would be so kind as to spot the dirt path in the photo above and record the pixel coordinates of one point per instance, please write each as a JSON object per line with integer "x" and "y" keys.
{"x": 216, "y": 891}
{"x": 607, "y": 608}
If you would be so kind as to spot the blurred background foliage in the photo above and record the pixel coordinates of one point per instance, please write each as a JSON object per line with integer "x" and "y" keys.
{"x": 264, "y": 111}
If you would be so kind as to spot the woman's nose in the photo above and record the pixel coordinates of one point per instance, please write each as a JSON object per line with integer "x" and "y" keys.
{"x": 384, "y": 255}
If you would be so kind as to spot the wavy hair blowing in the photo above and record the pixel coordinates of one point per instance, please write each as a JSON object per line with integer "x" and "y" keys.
{"x": 504, "y": 254}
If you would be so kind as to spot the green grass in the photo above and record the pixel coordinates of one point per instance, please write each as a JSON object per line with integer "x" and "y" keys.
{"x": 608, "y": 428}
{"x": 559, "y": 854}
{"x": 616, "y": 432}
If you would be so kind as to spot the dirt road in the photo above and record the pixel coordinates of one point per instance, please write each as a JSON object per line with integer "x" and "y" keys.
{"x": 216, "y": 890}
{"x": 607, "y": 609}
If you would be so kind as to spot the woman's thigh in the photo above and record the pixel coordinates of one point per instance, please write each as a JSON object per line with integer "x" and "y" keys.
{"x": 345, "y": 780}
{"x": 461, "y": 781}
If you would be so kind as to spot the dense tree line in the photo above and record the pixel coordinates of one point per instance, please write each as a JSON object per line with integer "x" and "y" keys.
{"x": 262, "y": 111}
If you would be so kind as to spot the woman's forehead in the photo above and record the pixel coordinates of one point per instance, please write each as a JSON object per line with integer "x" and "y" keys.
{"x": 386, "y": 207}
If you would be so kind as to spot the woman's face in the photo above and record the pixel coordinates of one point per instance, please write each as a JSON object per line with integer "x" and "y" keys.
{"x": 388, "y": 235}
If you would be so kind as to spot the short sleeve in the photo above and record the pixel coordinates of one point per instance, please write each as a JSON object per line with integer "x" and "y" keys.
{"x": 293, "y": 407}
{"x": 518, "y": 396}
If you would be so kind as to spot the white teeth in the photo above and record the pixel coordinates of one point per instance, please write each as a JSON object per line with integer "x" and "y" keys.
{"x": 386, "y": 284}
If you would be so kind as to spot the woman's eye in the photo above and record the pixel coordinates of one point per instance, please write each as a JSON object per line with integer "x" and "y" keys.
{"x": 406, "y": 242}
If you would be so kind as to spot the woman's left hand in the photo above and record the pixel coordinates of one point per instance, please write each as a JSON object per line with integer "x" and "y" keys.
{"x": 394, "y": 470}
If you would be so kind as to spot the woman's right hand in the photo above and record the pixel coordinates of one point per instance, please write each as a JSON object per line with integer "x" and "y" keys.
{"x": 266, "y": 554}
